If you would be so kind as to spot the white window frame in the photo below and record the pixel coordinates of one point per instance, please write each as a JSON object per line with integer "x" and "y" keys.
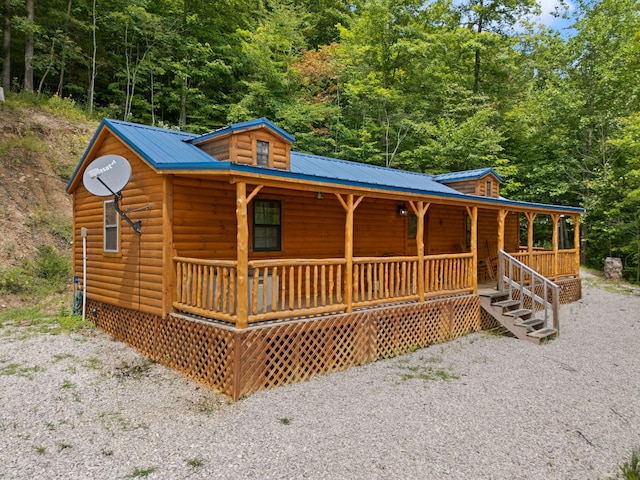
{"x": 108, "y": 227}
{"x": 262, "y": 156}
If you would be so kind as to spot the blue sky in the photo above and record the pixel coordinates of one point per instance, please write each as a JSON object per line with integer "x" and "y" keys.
{"x": 547, "y": 18}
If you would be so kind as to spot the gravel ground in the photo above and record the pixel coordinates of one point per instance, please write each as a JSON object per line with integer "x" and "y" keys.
{"x": 481, "y": 407}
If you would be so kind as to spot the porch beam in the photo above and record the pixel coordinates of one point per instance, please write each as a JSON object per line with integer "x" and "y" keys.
{"x": 242, "y": 252}
{"x": 420, "y": 209}
{"x": 576, "y": 243}
{"x": 555, "y": 218}
{"x": 473, "y": 281}
{"x": 254, "y": 193}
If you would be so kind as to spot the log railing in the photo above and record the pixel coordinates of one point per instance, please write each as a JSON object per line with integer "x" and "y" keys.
{"x": 448, "y": 274}
{"x": 378, "y": 280}
{"x": 304, "y": 286}
{"x": 206, "y": 287}
{"x": 545, "y": 263}
{"x": 296, "y": 287}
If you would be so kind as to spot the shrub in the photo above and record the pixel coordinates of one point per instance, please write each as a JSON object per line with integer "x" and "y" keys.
{"x": 52, "y": 266}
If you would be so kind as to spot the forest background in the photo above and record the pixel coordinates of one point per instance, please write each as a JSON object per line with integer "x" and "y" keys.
{"x": 430, "y": 86}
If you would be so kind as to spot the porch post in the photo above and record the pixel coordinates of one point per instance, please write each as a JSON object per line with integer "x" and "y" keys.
{"x": 169, "y": 270}
{"x": 420, "y": 209}
{"x": 502, "y": 215}
{"x": 348, "y": 254}
{"x": 349, "y": 207}
{"x": 530, "y": 218}
{"x": 576, "y": 243}
{"x": 242, "y": 267}
{"x": 473, "y": 214}
{"x": 555, "y": 218}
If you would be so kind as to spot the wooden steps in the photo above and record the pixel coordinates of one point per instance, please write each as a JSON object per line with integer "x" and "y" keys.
{"x": 520, "y": 321}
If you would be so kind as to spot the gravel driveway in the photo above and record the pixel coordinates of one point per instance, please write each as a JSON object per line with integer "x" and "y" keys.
{"x": 83, "y": 406}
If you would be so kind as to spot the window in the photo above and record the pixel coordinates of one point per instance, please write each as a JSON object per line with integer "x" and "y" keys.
{"x": 412, "y": 226}
{"x": 110, "y": 227}
{"x": 267, "y": 226}
{"x": 488, "y": 191}
{"x": 262, "y": 153}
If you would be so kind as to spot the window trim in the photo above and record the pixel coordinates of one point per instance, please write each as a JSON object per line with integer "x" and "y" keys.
{"x": 107, "y": 226}
{"x": 277, "y": 227}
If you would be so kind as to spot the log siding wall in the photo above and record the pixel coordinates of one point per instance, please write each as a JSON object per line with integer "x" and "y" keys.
{"x": 133, "y": 277}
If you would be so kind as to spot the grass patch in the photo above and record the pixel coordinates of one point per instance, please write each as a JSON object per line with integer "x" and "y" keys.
{"x": 67, "y": 385}
{"x": 630, "y": 470}
{"x": 427, "y": 373}
{"x": 46, "y": 273}
{"x": 20, "y": 371}
{"x": 40, "y": 450}
{"x": 195, "y": 462}
{"x": 142, "y": 472}
{"x": 285, "y": 421}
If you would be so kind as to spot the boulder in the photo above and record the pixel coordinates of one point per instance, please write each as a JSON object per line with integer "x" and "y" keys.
{"x": 613, "y": 268}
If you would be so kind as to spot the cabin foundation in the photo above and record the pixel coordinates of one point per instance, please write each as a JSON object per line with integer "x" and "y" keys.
{"x": 239, "y": 362}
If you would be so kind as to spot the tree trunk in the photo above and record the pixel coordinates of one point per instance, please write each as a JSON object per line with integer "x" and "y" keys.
{"x": 6, "y": 45}
{"x": 64, "y": 48}
{"x": 28, "y": 48}
{"x": 476, "y": 65}
{"x": 92, "y": 80}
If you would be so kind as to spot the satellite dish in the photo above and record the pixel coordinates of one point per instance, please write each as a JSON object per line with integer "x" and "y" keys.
{"x": 107, "y": 175}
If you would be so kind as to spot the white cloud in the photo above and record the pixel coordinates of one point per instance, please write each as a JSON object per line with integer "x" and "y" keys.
{"x": 549, "y": 7}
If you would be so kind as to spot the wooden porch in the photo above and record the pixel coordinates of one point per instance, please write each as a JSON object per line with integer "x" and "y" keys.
{"x": 290, "y": 288}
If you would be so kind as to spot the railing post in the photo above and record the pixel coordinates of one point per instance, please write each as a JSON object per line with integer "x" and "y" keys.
{"x": 576, "y": 244}
{"x": 501, "y": 262}
{"x": 555, "y": 309}
{"x": 349, "y": 206}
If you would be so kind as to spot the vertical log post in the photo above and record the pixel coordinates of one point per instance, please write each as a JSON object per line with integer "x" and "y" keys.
{"x": 502, "y": 216}
{"x": 531, "y": 216}
{"x": 576, "y": 243}
{"x": 555, "y": 218}
{"x": 349, "y": 207}
{"x": 473, "y": 281}
{"x": 169, "y": 272}
{"x": 242, "y": 251}
{"x": 420, "y": 209}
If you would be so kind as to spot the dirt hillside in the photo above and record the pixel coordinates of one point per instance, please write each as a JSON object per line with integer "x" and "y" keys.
{"x": 38, "y": 153}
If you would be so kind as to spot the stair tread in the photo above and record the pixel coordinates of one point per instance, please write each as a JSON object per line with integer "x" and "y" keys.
{"x": 506, "y": 303}
{"x": 543, "y": 333}
{"x": 492, "y": 294}
{"x": 531, "y": 322}
{"x": 518, "y": 313}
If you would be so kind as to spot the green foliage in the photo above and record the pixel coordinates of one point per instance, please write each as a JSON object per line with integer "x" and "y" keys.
{"x": 142, "y": 472}
{"x": 425, "y": 86}
{"x": 630, "y": 470}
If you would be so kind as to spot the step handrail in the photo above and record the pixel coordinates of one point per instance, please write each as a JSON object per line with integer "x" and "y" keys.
{"x": 515, "y": 275}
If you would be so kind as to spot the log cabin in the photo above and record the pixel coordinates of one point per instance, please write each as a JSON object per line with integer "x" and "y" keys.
{"x": 255, "y": 265}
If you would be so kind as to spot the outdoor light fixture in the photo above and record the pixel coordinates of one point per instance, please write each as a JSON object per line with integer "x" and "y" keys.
{"x": 402, "y": 210}
{"x": 319, "y": 196}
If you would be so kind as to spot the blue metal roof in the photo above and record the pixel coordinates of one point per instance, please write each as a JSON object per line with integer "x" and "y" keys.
{"x": 171, "y": 150}
{"x": 260, "y": 122}
{"x": 465, "y": 175}
{"x": 381, "y": 177}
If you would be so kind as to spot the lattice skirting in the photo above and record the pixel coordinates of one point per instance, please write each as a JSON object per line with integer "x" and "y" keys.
{"x": 240, "y": 362}
{"x": 570, "y": 290}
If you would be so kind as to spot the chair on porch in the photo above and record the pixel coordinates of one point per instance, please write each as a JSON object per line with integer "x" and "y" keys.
{"x": 489, "y": 264}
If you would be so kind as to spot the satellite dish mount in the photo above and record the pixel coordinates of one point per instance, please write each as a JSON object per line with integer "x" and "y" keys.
{"x": 108, "y": 175}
